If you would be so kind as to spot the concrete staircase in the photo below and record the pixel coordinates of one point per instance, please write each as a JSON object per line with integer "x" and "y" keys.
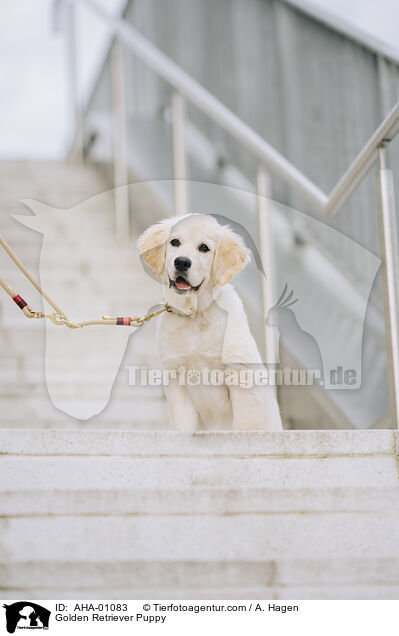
{"x": 96, "y": 509}
{"x": 125, "y": 514}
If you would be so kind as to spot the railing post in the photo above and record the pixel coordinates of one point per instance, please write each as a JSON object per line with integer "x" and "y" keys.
{"x": 179, "y": 154}
{"x": 119, "y": 134}
{"x": 76, "y": 153}
{"x": 267, "y": 259}
{"x": 390, "y": 277}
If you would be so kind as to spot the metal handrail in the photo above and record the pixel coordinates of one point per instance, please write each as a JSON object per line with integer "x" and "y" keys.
{"x": 209, "y": 104}
{"x": 360, "y": 166}
{"x": 186, "y": 86}
{"x": 216, "y": 110}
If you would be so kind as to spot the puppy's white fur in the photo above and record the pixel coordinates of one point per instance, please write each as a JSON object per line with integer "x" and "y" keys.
{"x": 209, "y": 328}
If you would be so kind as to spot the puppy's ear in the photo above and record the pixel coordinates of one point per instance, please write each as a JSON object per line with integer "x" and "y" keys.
{"x": 152, "y": 245}
{"x": 231, "y": 256}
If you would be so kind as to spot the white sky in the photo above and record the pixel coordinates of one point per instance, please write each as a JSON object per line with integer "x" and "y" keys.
{"x": 32, "y": 90}
{"x": 380, "y": 18}
{"x": 35, "y": 114}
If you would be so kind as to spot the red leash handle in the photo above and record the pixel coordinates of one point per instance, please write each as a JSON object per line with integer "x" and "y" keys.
{"x": 126, "y": 322}
{"x": 18, "y": 300}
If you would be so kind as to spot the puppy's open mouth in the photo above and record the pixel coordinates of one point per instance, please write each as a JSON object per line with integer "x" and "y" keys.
{"x": 182, "y": 285}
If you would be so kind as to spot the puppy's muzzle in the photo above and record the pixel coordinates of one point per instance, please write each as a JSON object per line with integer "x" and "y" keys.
{"x": 182, "y": 263}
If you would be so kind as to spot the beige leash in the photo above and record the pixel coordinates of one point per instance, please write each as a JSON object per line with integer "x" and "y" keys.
{"x": 58, "y": 317}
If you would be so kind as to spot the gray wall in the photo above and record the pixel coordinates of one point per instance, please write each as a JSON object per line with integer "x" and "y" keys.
{"x": 312, "y": 93}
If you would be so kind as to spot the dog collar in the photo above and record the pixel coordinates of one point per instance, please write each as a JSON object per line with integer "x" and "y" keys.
{"x": 173, "y": 310}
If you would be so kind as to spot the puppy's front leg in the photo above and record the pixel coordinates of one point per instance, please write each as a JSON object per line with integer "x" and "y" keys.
{"x": 254, "y": 408}
{"x": 182, "y": 413}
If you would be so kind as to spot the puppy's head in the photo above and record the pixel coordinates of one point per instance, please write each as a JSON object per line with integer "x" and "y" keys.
{"x": 193, "y": 252}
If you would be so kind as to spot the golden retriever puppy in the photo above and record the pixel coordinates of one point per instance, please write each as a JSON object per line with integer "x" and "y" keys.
{"x": 205, "y": 342}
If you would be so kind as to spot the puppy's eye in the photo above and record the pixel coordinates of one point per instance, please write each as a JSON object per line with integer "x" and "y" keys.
{"x": 203, "y": 248}
{"x": 175, "y": 242}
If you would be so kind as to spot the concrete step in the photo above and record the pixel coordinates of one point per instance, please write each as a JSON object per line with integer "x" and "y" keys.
{"x": 180, "y": 473}
{"x": 39, "y": 411}
{"x": 19, "y": 376}
{"x": 383, "y": 592}
{"x": 24, "y": 348}
{"x": 209, "y": 515}
{"x": 88, "y": 216}
{"x": 67, "y": 256}
{"x": 307, "y": 444}
{"x": 28, "y": 168}
{"x": 126, "y": 500}
{"x": 52, "y": 174}
{"x": 79, "y": 388}
{"x": 197, "y": 538}
{"x": 141, "y": 576}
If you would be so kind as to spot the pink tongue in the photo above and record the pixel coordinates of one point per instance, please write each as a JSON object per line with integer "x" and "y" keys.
{"x": 181, "y": 283}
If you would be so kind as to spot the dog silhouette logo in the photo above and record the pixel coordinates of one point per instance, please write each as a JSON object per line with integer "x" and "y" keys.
{"x": 26, "y": 615}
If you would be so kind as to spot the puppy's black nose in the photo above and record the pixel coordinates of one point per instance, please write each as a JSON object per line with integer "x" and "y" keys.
{"x": 182, "y": 263}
